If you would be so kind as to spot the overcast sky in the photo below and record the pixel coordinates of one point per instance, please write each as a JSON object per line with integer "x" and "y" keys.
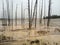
{"x": 55, "y": 6}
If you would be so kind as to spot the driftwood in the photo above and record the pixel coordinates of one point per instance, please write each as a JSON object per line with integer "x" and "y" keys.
{"x": 35, "y": 41}
{"x": 42, "y": 32}
{"x": 57, "y": 29}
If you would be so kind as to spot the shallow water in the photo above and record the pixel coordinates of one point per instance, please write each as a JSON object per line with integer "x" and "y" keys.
{"x": 20, "y": 34}
{"x": 53, "y": 22}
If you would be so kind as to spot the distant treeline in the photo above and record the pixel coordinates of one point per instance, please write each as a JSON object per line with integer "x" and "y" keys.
{"x": 52, "y": 17}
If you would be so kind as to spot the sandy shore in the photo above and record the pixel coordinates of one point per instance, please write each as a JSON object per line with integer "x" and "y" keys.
{"x": 49, "y": 35}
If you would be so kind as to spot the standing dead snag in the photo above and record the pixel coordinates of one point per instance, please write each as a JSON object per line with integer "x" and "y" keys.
{"x": 3, "y": 17}
{"x": 41, "y": 12}
{"x": 31, "y": 8}
{"x": 8, "y": 12}
{"x": 44, "y": 11}
{"x": 12, "y": 14}
{"x": 49, "y": 8}
{"x": 33, "y": 14}
{"x": 31, "y": 11}
{"x": 22, "y": 15}
{"x": 3, "y": 21}
{"x": 29, "y": 14}
{"x": 36, "y": 13}
{"x": 3, "y": 24}
{"x": 16, "y": 16}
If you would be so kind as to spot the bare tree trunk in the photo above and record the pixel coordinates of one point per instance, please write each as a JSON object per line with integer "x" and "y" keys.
{"x": 36, "y": 19}
{"x": 31, "y": 11}
{"x": 16, "y": 16}
{"x": 35, "y": 9}
{"x": 33, "y": 14}
{"x": 41, "y": 12}
{"x": 49, "y": 13}
{"x": 44, "y": 11}
{"x": 3, "y": 22}
{"x": 36, "y": 14}
{"x": 7, "y": 1}
{"x": 22, "y": 15}
{"x": 3, "y": 18}
{"x": 12, "y": 14}
{"x": 29, "y": 14}
{"x": 31, "y": 7}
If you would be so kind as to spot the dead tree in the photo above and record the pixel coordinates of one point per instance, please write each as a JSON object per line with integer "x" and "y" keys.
{"x": 22, "y": 15}
{"x": 44, "y": 11}
{"x": 16, "y": 16}
{"x": 29, "y": 14}
{"x": 3, "y": 17}
{"x": 8, "y": 12}
{"x": 31, "y": 8}
{"x": 49, "y": 8}
{"x": 36, "y": 14}
{"x": 3, "y": 21}
{"x": 3, "y": 14}
{"x": 12, "y": 14}
{"x": 41, "y": 12}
